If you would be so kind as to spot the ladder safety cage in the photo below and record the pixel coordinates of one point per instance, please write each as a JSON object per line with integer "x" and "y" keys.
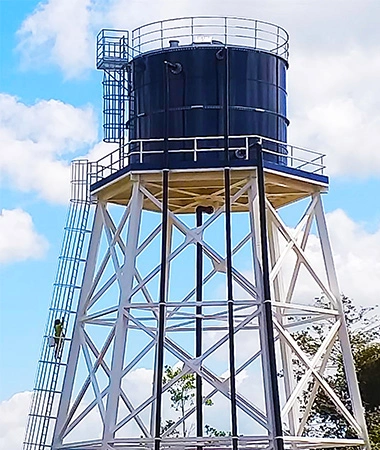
{"x": 112, "y": 56}
{"x": 112, "y": 49}
{"x": 114, "y": 106}
{"x": 49, "y": 377}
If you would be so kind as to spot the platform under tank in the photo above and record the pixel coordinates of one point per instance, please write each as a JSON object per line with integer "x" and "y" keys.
{"x": 180, "y": 92}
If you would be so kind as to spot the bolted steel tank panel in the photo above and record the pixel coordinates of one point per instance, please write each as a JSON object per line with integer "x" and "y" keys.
{"x": 182, "y": 91}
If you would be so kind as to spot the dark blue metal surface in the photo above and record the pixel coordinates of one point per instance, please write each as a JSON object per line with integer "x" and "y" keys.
{"x": 257, "y": 98}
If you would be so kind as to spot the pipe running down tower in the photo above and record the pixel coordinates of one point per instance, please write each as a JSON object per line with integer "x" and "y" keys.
{"x": 188, "y": 266}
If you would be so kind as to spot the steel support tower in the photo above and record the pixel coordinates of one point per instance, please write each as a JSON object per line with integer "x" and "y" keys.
{"x": 192, "y": 267}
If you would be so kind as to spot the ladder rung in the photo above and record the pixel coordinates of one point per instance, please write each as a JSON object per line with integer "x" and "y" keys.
{"x": 42, "y": 416}
{"x": 71, "y": 258}
{"x": 39, "y": 445}
{"x": 66, "y": 285}
{"x": 65, "y": 311}
{"x": 44, "y": 361}
{"x": 47, "y": 390}
{"x": 76, "y": 229}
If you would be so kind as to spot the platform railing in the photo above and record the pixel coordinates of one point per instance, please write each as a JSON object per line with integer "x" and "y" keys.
{"x": 112, "y": 49}
{"x": 115, "y": 48}
{"x": 240, "y": 31}
{"x": 138, "y": 151}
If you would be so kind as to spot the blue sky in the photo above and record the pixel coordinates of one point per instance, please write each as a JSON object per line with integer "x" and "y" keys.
{"x": 50, "y": 112}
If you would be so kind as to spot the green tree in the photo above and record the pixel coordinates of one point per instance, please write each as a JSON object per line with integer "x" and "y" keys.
{"x": 324, "y": 421}
{"x": 367, "y": 360}
{"x": 182, "y": 394}
{"x": 213, "y": 432}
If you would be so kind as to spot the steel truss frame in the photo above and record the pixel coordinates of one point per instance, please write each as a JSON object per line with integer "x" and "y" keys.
{"x": 111, "y": 401}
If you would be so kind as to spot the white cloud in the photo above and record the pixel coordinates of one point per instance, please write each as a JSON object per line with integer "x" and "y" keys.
{"x": 37, "y": 140}
{"x": 335, "y": 109}
{"x": 58, "y": 32}
{"x": 13, "y": 420}
{"x": 357, "y": 258}
{"x": 356, "y": 255}
{"x": 100, "y": 150}
{"x": 138, "y": 386}
{"x": 18, "y": 238}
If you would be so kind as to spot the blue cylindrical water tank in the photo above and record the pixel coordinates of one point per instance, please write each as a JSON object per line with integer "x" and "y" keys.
{"x": 183, "y": 91}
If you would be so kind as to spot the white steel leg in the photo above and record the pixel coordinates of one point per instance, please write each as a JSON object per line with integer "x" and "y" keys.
{"x": 348, "y": 360}
{"x": 256, "y": 253}
{"x": 127, "y": 273}
{"x": 88, "y": 276}
{"x": 286, "y": 354}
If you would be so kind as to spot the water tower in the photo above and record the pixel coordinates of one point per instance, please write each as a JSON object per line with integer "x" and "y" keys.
{"x": 181, "y": 289}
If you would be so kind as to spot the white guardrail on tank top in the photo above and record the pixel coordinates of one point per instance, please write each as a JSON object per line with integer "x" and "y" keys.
{"x": 121, "y": 46}
{"x": 139, "y": 150}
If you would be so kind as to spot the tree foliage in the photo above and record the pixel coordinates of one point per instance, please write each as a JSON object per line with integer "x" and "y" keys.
{"x": 324, "y": 420}
{"x": 213, "y": 432}
{"x": 367, "y": 360}
{"x": 182, "y": 393}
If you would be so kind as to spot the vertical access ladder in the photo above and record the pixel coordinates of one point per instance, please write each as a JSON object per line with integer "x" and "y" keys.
{"x": 50, "y": 372}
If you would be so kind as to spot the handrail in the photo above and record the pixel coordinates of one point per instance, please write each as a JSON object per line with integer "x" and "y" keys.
{"x": 228, "y": 29}
{"x": 295, "y": 157}
{"x": 118, "y": 47}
